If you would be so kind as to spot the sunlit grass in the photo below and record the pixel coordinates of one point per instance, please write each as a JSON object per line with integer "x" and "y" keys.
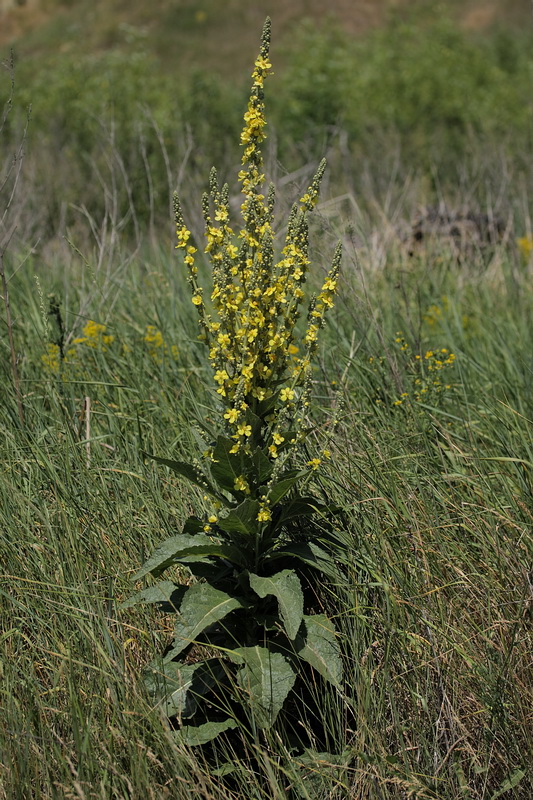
{"x": 435, "y": 613}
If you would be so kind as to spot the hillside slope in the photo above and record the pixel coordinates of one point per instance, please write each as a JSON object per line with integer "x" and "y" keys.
{"x": 185, "y": 33}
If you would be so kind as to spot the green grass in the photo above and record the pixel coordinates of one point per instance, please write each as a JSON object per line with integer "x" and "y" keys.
{"x": 434, "y": 611}
{"x": 115, "y": 118}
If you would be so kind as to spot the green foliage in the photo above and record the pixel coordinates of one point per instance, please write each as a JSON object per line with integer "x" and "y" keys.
{"x": 251, "y": 608}
{"x": 428, "y": 81}
{"x": 116, "y": 122}
{"x": 435, "y": 596}
{"x": 436, "y": 544}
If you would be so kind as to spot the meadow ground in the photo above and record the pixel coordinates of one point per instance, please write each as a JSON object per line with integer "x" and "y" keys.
{"x": 432, "y": 461}
{"x": 422, "y": 394}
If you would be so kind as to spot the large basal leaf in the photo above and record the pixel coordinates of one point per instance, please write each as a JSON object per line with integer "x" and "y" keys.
{"x": 190, "y": 472}
{"x": 202, "y": 606}
{"x": 287, "y": 589}
{"x": 242, "y": 519}
{"x": 267, "y": 679}
{"x": 182, "y": 545}
{"x": 309, "y": 553}
{"x": 321, "y": 648}
{"x": 195, "y": 735}
{"x": 225, "y": 466}
{"x": 177, "y": 687}
{"x": 164, "y": 593}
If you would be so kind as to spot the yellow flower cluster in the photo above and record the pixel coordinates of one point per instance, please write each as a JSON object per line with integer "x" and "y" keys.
{"x": 157, "y": 347}
{"x": 52, "y": 358}
{"x": 95, "y": 336}
{"x": 254, "y": 304}
{"x": 420, "y": 372}
{"x": 525, "y": 246}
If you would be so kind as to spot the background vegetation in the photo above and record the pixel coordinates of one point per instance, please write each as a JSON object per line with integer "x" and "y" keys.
{"x": 432, "y": 461}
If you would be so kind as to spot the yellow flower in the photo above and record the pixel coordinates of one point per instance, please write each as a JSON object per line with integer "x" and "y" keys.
{"x": 525, "y": 245}
{"x": 244, "y": 429}
{"x": 286, "y": 395}
{"x": 314, "y": 463}
{"x": 264, "y": 515}
{"x": 232, "y": 414}
{"x": 197, "y": 299}
{"x": 241, "y": 484}
{"x": 183, "y": 235}
{"x": 51, "y": 358}
{"x": 278, "y": 438}
{"x": 262, "y": 63}
{"x": 153, "y": 336}
{"x": 220, "y": 376}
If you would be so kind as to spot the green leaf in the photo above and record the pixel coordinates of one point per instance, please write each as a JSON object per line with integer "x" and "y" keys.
{"x": 225, "y": 466}
{"x": 182, "y": 545}
{"x": 287, "y": 589}
{"x": 261, "y": 465}
{"x": 321, "y": 648}
{"x": 190, "y": 472}
{"x": 283, "y": 486}
{"x": 165, "y": 592}
{"x": 193, "y": 525}
{"x": 310, "y": 553}
{"x": 213, "y": 571}
{"x": 302, "y": 507}
{"x": 176, "y": 687}
{"x": 242, "y": 519}
{"x": 202, "y": 605}
{"x": 195, "y": 735}
{"x": 509, "y": 783}
{"x": 267, "y": 678}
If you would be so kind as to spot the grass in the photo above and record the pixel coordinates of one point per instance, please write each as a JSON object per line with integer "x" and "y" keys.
{"x": 422, "y": 394}
{"x": 193, "y": 33}
{"x": 435, "y": 609}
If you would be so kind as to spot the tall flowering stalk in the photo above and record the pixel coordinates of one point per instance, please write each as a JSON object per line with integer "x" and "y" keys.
{"x": 261, "y": 537}
{"x": 256, "y": 299}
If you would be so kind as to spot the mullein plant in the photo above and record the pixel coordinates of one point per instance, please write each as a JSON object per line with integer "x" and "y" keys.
{"x": 243, "y": 634}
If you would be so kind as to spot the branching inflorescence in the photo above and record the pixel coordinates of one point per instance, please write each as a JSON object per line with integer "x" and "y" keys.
{"x": 262, "y": 544}
{"x": 256, "y": 298}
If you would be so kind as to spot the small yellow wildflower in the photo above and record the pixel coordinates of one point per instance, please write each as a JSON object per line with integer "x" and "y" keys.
{"x": 264, "y": 515}
{"x": 241, "y": 485}
{"x": 183, "y": 235}
{"x": 525, "y": 245}
{"x": 314, "y": 463}
{"x": 286, "y": 395}
{"x": 244, "y": 429}
{"x": 220, "y": 376}
{"x": 153, "y": 336}
{"x": 51, "y": 358}
{"x": 232, "y": 415}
